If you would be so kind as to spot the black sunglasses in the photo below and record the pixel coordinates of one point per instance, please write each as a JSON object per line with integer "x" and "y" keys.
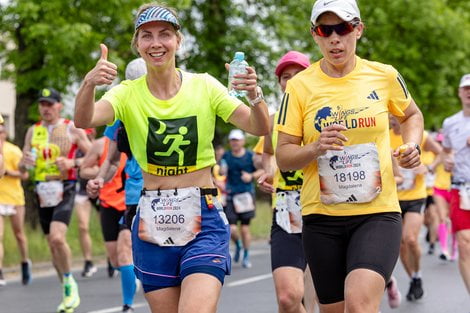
{"x": 341, "y": 29}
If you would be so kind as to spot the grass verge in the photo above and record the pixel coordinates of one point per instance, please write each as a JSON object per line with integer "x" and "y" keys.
{"x": 39, "y": 250}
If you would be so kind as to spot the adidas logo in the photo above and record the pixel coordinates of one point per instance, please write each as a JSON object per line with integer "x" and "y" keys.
{"x": 352, "y": 198}
{"x": 373, "y": 96}
{"x": 169, "y": 241}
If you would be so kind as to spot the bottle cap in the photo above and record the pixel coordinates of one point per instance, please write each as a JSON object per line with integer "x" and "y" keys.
{"x": 239, "y": 55}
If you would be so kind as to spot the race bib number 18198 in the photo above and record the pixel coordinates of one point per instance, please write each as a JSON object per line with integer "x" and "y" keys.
{"x": 351, "y": 175}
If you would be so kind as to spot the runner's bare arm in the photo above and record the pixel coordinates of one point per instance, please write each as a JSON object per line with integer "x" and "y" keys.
{"x": 81, "y": 139}
{"x": 87, "y": 112}
{"x": 90, "y": 167}
{"x": 447, "y": 156}
{"x": 27, "y": 159}
{"x": 253, "y": 121}
{"x": 432, "y": 145}
{"x": 396, "y": 171}
{"x": 265, "y": 181}
{"x": 110, "y": 166}
{"x": 2, "y": 162}
{"x": 412, "y": 126}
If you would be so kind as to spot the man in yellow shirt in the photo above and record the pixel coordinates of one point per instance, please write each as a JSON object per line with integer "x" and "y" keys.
{"x": 12, "y": 204}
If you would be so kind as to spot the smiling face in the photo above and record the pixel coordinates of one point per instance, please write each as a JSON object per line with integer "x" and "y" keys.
{"x": 338, "y": 51}
{"x": 157, "y": 43}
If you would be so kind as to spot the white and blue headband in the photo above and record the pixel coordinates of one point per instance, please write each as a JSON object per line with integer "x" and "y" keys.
{"x": 155, "y": 14}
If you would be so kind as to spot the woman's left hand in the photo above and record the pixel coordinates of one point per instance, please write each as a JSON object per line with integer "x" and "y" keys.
{"x": 407, "y": 157}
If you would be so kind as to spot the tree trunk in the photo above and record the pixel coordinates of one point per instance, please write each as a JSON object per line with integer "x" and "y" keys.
{"x": 22, "y": 122}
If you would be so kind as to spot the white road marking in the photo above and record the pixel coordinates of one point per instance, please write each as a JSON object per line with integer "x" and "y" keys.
{"x": 118, "y": 308}
{"x": 249, "y": 280}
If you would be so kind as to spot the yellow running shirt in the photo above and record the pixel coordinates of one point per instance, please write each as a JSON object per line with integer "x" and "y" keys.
{"x": 290, "y": 180}
{"x": 427, "y": 157}
{"x": 172, "y": 137}
{"x": 259, "y": 147}
{"x": 361, "y": 101}
{"x": 418, "y": 191}
{"x": 443, "y": 178}
{"x": 11, "y": 191}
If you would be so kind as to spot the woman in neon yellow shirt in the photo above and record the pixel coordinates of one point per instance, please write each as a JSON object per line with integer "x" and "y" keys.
{"x": 180, "y": 236}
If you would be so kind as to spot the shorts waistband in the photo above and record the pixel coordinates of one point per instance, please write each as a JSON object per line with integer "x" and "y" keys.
{"x": 203, "y": 191}
{"x": 284, "y": 190}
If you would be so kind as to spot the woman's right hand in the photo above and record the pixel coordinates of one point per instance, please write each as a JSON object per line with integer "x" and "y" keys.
{"x": 265, "y": 183}
{"x": 104, "y": 71}
{"x": 330, "y": 139}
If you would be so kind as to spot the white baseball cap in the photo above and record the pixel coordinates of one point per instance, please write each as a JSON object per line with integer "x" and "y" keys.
{"x": 136, "y": 68}
{"x": 465, "y": 81}
{"x": 347, "y": 10}
{"x": 236, "y": 134}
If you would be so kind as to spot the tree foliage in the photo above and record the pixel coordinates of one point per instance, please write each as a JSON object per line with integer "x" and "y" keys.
{"x": 428, "y": 41}
{"x": 54, "y": 43}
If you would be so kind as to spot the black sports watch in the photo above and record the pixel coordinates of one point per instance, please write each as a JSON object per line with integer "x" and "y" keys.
{"x": 417, "y": 147}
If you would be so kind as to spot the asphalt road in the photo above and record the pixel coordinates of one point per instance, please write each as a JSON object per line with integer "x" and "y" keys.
{"x": 245, "y": 291}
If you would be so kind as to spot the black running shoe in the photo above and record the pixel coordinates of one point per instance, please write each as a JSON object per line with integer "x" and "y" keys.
{"x": 431, "y": 249}
{"x": 127, "y": 309}
{"x": 111, "y": 270}
{"x": 89, "y": 269}
{"x": 3, "y": 282}
{"x": 416, "y": 290}
{"x": 26, "y": 272}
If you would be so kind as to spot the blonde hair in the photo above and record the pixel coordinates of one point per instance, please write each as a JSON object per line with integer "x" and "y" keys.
{"x": 144, "y": 7}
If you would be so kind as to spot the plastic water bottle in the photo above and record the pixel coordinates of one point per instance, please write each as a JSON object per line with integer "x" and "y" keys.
{"x": 223, "y": 167}
{"x": 34, "y": 155}
{"x": 237, "y": 66}
{"x": 30, "y": 168}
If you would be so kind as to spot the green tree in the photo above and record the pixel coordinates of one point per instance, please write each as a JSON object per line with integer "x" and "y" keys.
{"x": 54, "y": 43}
{"x": 428, "y": 41}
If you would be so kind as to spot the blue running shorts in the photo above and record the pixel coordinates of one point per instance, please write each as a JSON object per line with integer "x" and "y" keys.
{"x": 160, "y": 267}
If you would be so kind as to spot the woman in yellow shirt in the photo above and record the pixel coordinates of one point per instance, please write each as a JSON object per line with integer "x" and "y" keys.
{"x": 333, "y": 123}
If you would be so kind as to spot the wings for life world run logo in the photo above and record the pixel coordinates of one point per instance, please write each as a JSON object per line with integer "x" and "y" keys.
{"x": 327, "y": 116}
{"x": 346, "y": 160}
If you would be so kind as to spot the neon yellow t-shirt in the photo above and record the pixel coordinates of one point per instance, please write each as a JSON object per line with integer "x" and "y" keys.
{"x": 172, "y": 137}
{"x": 419, "y": 189}
{"x": 50, "y": 143}
{"x": 1, "y": 118}
{"x": 11, "y": 191}
{"x": 443, "y": 178}
{"x": 361, "y": 101}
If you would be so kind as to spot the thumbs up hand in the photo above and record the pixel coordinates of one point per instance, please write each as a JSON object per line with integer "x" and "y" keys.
{"x": 104, "y": 71}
